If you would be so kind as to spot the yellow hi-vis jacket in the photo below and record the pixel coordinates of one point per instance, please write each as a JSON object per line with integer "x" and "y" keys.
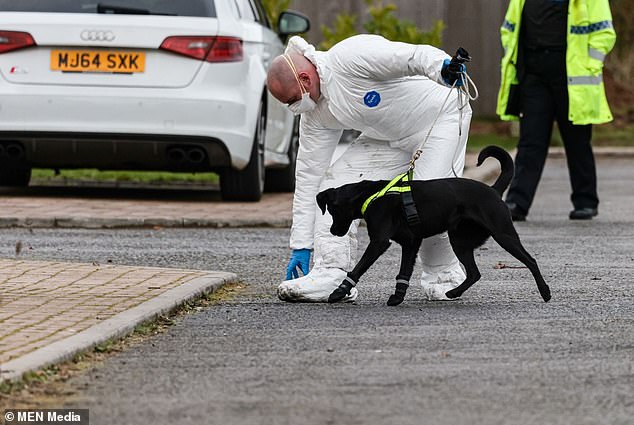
{"x": 590, "y": 37}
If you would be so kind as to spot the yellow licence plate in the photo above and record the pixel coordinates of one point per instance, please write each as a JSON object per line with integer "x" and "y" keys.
{"x": 97, "y": 61}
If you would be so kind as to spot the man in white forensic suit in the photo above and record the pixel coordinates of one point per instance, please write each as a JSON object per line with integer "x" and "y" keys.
{"x": 398, "y": 96}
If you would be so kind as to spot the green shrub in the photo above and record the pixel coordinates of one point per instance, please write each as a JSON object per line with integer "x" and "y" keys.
{"x": 382, "y": 21}
{"x": 345, "y": 26}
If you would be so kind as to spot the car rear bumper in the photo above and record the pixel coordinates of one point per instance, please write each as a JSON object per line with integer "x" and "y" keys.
{"x": 66, "y": 127}
{"x": 113, "y": 151}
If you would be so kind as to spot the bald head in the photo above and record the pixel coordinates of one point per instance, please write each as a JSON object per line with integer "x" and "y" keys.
{"x": 284, "y": 83}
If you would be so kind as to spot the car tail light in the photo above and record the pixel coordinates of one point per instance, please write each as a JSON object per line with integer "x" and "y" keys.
{"x": 13, "y": 40}
{"x": 210, "y": 49}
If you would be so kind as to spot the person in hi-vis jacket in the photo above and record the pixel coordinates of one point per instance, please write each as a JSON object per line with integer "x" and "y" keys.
{"x": 552, "y": 70}
{"x": 391, "y": 92}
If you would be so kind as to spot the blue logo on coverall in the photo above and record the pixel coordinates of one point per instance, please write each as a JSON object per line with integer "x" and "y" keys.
{"x": 372, "y": 98}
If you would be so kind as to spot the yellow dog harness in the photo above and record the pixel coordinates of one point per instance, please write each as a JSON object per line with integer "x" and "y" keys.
{"x": 399, "y": 184}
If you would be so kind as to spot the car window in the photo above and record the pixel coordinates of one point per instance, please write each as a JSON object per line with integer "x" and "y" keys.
{"x": 203, "y": 8}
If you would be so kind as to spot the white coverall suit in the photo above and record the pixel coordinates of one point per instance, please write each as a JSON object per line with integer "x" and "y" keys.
{"x": 391, "y": 92}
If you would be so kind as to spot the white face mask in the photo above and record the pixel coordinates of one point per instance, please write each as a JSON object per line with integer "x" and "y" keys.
{"x": 305, "y": 104}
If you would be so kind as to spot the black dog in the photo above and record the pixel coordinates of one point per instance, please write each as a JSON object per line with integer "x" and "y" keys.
{"x": 468, "y": 210}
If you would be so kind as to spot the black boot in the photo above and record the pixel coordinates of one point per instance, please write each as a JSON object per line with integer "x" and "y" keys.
{"x": 583, "y": 213}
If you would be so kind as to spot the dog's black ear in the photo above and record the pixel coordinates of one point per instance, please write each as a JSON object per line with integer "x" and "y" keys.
{"x": 323, "y": 198}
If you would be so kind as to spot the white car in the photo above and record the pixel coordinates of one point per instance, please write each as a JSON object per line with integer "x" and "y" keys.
{"x": 145, "y": 85}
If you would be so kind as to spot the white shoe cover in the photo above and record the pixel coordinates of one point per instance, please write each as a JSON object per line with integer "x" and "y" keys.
{"x": 315, "y": 287}
{"x": 436, "y": 285}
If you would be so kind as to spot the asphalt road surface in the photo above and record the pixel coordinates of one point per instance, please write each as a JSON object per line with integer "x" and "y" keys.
{"x": 499, "y": 355}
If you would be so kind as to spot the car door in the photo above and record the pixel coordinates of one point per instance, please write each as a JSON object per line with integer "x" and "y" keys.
{"x": 279, "y": 119}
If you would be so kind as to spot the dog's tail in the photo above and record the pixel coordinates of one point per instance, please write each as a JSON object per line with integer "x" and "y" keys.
{"x": 506, "y": 163}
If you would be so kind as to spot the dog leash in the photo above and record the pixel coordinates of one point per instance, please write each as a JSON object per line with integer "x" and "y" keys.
{"x": 464, "y": 97}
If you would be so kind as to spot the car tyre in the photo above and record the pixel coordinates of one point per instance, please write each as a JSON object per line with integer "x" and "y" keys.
{"x": 247, "y": 185}
{"x": 14, "y": 175}
{"x": 283, "y": 179}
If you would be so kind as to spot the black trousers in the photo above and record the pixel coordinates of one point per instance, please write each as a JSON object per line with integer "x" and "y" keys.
{"x": 544, "y": 99}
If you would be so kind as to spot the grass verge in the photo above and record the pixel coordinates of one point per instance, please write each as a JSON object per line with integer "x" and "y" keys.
{"x": 486, "y": 133}
{"x": 149, "y": 177}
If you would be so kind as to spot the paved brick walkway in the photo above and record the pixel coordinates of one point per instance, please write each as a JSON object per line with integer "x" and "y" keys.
{"x": 33, "y": 207}
{"x": 44, "y": 302}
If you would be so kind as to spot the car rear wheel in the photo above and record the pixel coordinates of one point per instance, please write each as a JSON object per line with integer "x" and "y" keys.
{"x": 283, "y": 179}
{"x": 248, "y": 184}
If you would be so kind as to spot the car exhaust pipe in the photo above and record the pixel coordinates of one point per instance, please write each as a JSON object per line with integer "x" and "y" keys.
{"x": 176, "y": 155}
{"x": 14, "y": 151}
{"x": 196, "y": 155}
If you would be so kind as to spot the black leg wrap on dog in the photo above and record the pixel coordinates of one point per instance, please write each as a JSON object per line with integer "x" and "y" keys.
{"x": 341, "y": 291}
{"x": 399, "y": 292}
{"x": 401, "y": 287}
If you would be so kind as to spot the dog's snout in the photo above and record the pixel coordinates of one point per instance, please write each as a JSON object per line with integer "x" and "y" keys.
{"x": 338, "y": 231}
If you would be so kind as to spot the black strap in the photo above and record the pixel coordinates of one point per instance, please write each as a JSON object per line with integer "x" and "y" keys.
{"x": 408, "y": 204}
{"x": 346, "y": 287}
{"x": 401, "y": 287}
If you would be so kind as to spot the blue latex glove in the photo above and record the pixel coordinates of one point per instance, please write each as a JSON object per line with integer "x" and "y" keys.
{"x": 299, "y": 258}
